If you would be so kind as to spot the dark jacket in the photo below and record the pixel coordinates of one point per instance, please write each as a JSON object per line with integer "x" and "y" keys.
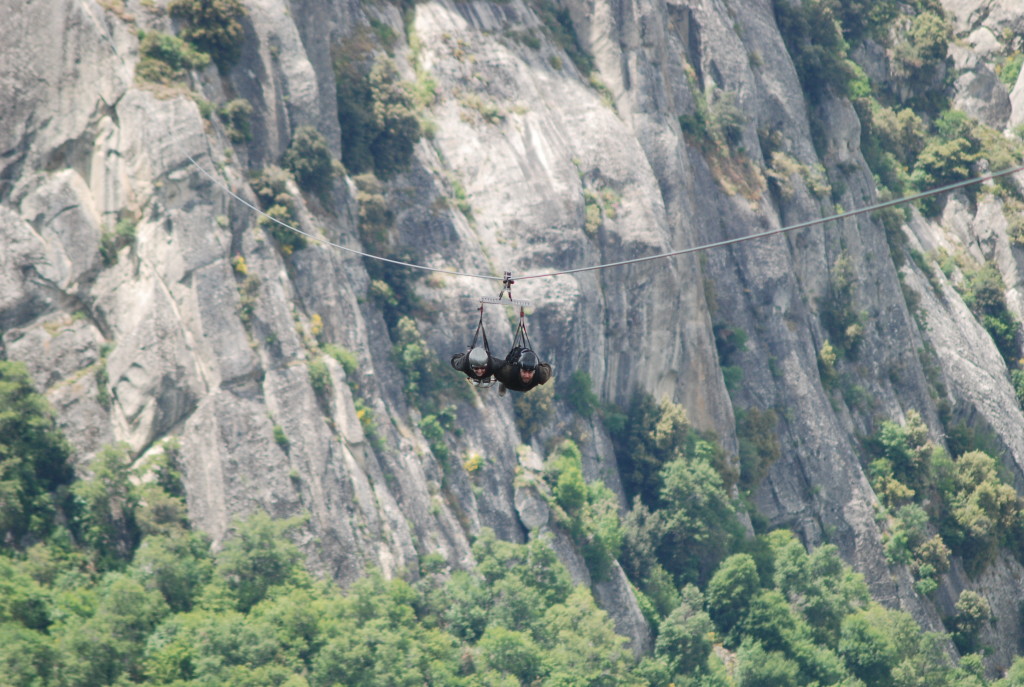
{"x": 460, "y": 361}
{"x": 508, "y": 374}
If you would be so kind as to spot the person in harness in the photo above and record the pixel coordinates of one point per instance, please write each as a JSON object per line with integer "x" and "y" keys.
{"x": 522, "y": 369}
{"x": 477, "y": 363}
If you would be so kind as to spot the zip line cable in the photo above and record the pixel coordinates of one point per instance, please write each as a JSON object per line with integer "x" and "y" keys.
{"x": 217, "y": 182}
{"x": 659, "y": 256}
{"x": 792, "y": 227}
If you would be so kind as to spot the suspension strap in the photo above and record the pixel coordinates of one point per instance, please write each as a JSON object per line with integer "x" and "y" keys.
{"x": 480, "y": 331}
{"x": 522, "y": 338}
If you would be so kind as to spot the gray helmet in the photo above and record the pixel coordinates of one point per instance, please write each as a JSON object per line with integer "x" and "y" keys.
{"x": 478, "y": 357}
{"x": 528, "y": 360}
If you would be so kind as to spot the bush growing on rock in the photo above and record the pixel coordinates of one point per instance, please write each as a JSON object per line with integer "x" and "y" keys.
{"x": 213, "y": 26}
{"x": 165, "y": 59}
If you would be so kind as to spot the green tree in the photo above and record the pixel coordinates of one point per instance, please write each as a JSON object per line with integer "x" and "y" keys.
{"x": 867, "y": 646}
{"x": 729, "y": 593}
{"x": 972, "y": 614}
{"x": 511, "y": 652}
{"x": 985, "y": 510}
{"x": 373, "y": 638}
{"x": 107, "y": 505}
{"x": 760, "y": 668}
{"x": 98, "y": 649}
{"x": 684, "y": 636}
{"x": 580, "y": 395}
{"x": 1014, "y": 676}
{"x": 258, "y": 557}
{"x": 378, "y": 123}
{"x": 213, "y": 26}
{"x": 237, "y": 118}
{"x": 815, "y": 43}
{"x": 27, "y": 657}
{"x": 819, "y": 585}
{"x": 177, "y": 566}
{"x": 34, "y": 468}
{"x": 582, "y": 647}
{"x": 700, "y": 524}
{"x": 309, "y": 160}
{"x": 23, "y": 600}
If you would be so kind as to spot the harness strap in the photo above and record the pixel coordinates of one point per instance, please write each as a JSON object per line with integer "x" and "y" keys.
{"x": 522, "y": 338}
{"x": 480, "y": 331}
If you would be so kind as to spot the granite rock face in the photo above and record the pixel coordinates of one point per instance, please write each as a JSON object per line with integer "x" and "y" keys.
{"x": 201, "y": 328}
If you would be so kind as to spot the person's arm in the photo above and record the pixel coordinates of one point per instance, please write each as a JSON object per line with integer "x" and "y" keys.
{"x": 503, "y": 372}
{"x": 459, "y": 362}
{"x": 543, "y": 373}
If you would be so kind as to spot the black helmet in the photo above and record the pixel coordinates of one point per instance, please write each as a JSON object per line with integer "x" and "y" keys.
{"x": 528, "y": 360}
{"x": 478, "y": 357}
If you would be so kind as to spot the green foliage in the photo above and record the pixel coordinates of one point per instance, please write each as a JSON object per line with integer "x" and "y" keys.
{"x": 866, "y": 18}
{"x": 559, "y": 25}
{"x": 815, "y": 43}
{"x": 591, "y": 509}
{"x": 237, "y": 118}
{"x": 309, "y": 160}
{"x": 839, "y": 316}
{"x": 729, "y": 593}
{"x": 580, "y": 395}
{"x": 592, "y": 217}
{"x": 760, "y": 668}
{"x": 346, "y": 358}
{"x": 375, "y": 109}
{"x": 666, "y": 467}
{"x": 434, "y": 428}
{"x": 984, "y": 293}
{"x": 319, "y": 376}
{"x": 725, "y": 119}
{"x": 165, "y": 59}
{"x": 369, "y": 424}
{"x": 684, "y": 637}
{"x": 867, "y": 647}
{"x": 923, "y": 47}
{"x": 213, "y": 26}
{"x": 34, "y": 468}
{"x": 511, "y": 653}
{"x": 113, "y": 240}
{"x": 822, "y": 589}
{"x": 281, "y": 439}
{"x": 1009, "y": 70}
{"x": 271, "y": 187}
{"x": 178, "y": 565}
{"x": 410, "y": 353}
{"x": 257, "y": 558}
{"x": 650, "y": 436}
{"x": 700, "y": 525}
{"x": 107, "y": 505}
{"x": 248, "y": 291}
{"x": 375, "y": 217}
{"x": 178, "y": 614}
{"x": 986, "y": 512}
{"x": 972, "y": 613}
{"x": 973, "y": 511}
{"x": 1017, "y": 379}
{"x": 758, "y": 445}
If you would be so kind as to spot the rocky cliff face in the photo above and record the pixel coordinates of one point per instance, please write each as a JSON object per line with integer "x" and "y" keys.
{"x": 170, "y": 335}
